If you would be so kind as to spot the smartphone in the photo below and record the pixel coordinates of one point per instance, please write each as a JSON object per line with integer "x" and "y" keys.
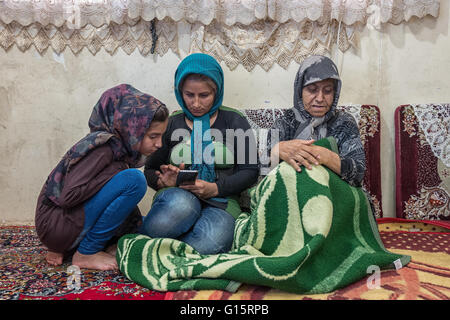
{"x": 186, "y": 177}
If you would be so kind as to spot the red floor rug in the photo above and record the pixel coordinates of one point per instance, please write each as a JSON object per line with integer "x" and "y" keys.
{"x": 426, "y": 277}
{"x": 24, "y": 274}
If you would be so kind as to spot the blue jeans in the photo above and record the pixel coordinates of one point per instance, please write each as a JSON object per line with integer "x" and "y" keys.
{"x": 108, "y": 208}
{"x": 179, "y": 214}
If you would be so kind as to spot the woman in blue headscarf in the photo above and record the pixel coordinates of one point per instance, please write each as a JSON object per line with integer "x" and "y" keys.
{"x": 216, "y": 141}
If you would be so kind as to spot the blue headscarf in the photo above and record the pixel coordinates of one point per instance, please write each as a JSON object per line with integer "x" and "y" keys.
{"x": 201, "y": 134}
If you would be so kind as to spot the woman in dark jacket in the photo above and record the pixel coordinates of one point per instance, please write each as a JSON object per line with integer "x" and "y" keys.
{"x": 314, "y": 116}
{"x": 88, "y": 198}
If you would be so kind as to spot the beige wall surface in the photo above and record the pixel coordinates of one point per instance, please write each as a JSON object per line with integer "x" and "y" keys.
{"x": 45, "y": 101}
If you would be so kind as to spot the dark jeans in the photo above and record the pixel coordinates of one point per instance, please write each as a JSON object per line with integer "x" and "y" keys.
{"x": 108, "y": 208}
{"x": 179, "y": 214}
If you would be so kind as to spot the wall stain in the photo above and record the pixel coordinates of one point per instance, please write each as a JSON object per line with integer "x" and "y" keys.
{"x": 5, "y": 107}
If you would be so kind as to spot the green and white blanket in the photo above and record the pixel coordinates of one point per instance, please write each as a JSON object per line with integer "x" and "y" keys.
{"x": 308, "y": 232}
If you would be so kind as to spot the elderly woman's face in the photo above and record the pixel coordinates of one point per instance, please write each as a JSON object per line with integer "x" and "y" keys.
{"x": 198, "y": 97}
{"x": 318, "y": 97}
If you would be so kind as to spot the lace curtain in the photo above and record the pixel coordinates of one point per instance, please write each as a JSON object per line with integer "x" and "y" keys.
{"x": 434, "y": 120}
{"x": 247, "y": 32}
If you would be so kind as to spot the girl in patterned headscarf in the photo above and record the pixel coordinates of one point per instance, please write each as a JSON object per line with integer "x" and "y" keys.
{"x": 314, "y": 116}
{"x": 89, "y": 196}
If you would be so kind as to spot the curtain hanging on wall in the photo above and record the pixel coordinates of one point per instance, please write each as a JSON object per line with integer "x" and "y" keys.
{"x": 247, "y": 32}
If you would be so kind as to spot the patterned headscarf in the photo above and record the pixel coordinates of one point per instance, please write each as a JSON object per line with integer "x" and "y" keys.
{"x": 121, "y": 117}
{"x": 313, "y": 69}
{"x": 201, "y": 138}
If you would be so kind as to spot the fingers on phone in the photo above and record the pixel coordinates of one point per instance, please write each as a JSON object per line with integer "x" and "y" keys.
{"x": 173, "y": 168}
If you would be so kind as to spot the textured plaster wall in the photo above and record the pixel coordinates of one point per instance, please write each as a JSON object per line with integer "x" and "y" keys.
{"x": 45, "y": 101}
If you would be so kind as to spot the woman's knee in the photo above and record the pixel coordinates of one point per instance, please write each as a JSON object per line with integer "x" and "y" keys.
{"x": 213, "y": 233}
{"x": 177, "y": 200}
{"x": 173, "y": 212}
{"x": 134, "y": 180}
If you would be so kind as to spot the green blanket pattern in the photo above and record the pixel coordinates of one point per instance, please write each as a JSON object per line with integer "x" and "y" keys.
{"x": 308, "y": 232}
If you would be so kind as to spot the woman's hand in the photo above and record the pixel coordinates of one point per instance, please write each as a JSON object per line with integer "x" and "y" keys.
{"x": 296, "y": 153}
{"x": 303, "y": 152}
{"x": 328, "y": 158}
{"x": 168, "y": 175}
{"x": 202, "y": 189}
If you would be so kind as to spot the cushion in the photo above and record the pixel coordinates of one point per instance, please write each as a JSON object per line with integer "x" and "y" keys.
{"x": 422, "y": 156}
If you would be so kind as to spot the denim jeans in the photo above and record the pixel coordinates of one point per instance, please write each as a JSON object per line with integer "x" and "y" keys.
{"x": 179, "y": 214}
{"x": 108, "y": 208}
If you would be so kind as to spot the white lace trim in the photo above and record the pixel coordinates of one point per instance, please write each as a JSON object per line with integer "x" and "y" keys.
{"x": 229, "y": 12}
{"x": 434, "y": 120}
{"x": 237, "y": 32}
{"x": 261, "y": 43}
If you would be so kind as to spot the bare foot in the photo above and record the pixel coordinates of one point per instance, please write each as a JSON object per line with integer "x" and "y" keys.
{"x": 98, "y": 261}
{"x": 54, "y": 258}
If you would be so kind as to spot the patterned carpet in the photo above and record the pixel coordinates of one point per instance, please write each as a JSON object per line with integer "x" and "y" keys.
{"x": 24, "y": 274}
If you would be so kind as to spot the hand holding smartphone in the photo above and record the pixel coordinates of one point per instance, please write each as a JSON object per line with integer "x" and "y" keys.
{"x": 186, "y": 177}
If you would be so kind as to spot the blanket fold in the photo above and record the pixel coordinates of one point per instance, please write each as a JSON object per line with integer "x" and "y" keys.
{"x": 307, "y": 232}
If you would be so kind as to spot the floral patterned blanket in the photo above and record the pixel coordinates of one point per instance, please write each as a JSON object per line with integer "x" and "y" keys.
{"x": 307, "y": 232}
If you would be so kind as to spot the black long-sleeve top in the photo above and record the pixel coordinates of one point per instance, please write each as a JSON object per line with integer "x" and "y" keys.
{"x": 230, "y": 129}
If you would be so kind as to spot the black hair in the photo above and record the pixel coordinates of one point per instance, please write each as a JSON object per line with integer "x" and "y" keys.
{"x": 199, "y": 77}
{"x": 161, "y": 114}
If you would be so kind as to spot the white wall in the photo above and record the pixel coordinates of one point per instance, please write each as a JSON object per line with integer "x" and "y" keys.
{"x": 407, "y": 63}
{"x": 45, "y": 101}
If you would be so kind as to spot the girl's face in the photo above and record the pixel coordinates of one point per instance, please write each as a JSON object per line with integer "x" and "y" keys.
{"x": 198, "y": 97}
{"x": 152, "y": 140}
{"x": 318, "y": 97}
